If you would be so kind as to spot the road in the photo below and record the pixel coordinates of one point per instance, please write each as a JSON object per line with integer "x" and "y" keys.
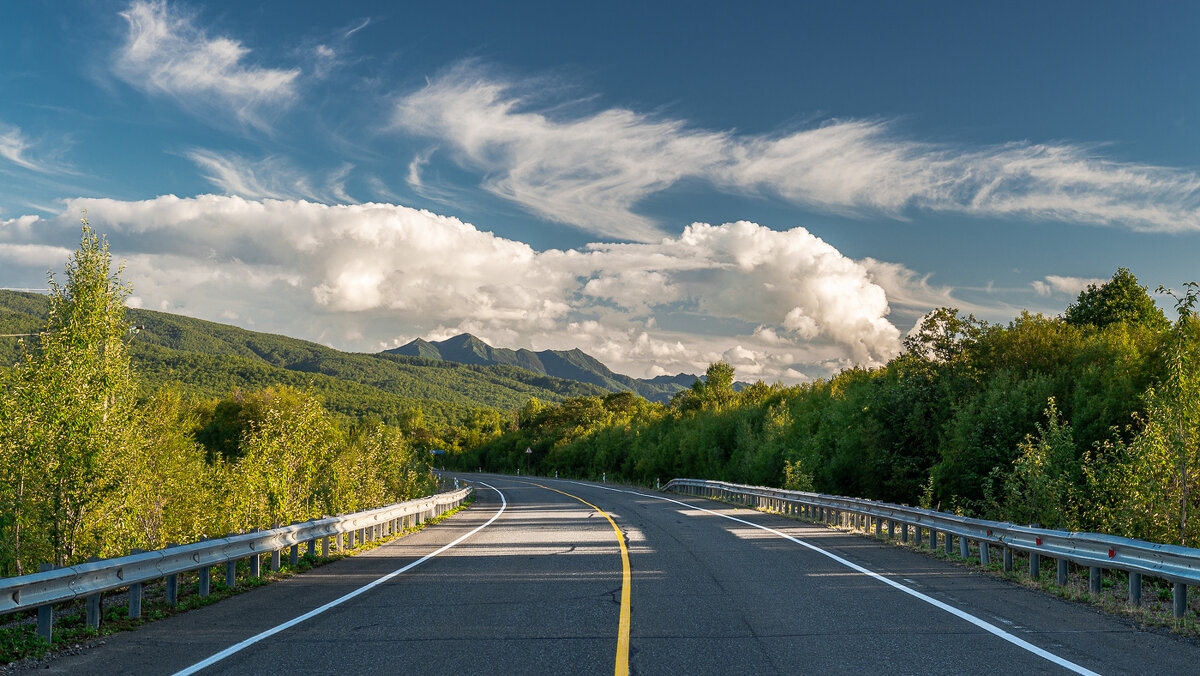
{"x": 537, "y": 584}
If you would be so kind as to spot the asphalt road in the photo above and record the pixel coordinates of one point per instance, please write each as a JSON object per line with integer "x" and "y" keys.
{"x": 535, "y": 585}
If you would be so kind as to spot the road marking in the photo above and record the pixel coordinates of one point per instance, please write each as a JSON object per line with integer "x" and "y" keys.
{"x": 622, "y": 663}
{"x": 236, "y": 648}
{"x": 982, "y": 624}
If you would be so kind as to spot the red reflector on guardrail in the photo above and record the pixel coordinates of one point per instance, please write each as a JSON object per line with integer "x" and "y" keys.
{"x": 1039, "y": 541}
{"x": 1111, "y": 553}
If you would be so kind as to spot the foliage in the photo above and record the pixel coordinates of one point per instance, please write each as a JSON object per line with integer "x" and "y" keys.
{"x": 1152, "y": 483}
{"x": 66, "y": 413}
{"x": 89, "y": 468}
{"x": 1120, "y": 299}
{"x": 1058, "y": 421}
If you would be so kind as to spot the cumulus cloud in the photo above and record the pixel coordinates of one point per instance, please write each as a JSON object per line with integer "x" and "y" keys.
{"x": 591, "y": 170}
{"x": 1070, "y": 286}
{"x": 166, "y": 53}
{"x": 365, "y": 275}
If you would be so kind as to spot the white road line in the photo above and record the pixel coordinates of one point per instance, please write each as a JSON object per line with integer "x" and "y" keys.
{"x": 982, "y": 624}
{"x": 338, "y": 601}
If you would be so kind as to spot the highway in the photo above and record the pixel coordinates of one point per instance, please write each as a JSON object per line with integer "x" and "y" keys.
{"x": 532, "y": 579}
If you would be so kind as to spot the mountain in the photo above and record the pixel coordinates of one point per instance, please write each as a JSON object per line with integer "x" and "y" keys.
{"x": 568, "y": 364}
{"x": 209, "y": 359}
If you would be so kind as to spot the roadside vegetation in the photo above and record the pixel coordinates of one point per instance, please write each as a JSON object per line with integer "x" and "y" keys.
{"x": 91, "y": 464}
{"x": 1088, "y": 421}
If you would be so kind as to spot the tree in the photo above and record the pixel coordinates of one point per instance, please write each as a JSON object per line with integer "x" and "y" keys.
{"x": 66, "y": 411}
{"x": 1120, "y": 299}
{"x": 943, "y": 336}
{"x": 1153, "y": 481}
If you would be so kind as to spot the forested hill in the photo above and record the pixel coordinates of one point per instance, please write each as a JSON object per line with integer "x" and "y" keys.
{"x": 570, "y": 364}
{"x": 209, "y": 359}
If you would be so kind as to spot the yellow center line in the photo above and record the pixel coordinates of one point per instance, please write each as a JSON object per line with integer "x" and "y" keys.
{"x": 622, "y": 666}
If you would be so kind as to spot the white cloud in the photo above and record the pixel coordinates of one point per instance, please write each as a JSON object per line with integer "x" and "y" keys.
{"x": 14, "y": 147}
{"x": 18, "y": 148}
{"x": 362, "y": 275}
{"x": 591, "y": 170}
{"x": 1070, "y": 286}
{"x": 588, "y": 171}
{"x": 166, "y": 53}
{"x": 270, "y": 177}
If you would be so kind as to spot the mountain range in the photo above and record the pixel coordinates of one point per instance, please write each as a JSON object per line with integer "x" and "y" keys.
{"x": 209, "y": 359}
{"x": 567, "y": 364}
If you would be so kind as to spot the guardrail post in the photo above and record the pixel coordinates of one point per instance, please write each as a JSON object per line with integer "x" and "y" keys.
{"x": 325, "y": 546}
{"x": 917, "y": 535}
{"x": 93, "y": 604}
{"x": 1008, "y": 565}
{"x": 1135, "y": 589}
{"x": 1035, "y": 565}
{"x": 904, "y": 532}
{"x": 878, "y": 527}
{"x": 135, "y": 594}
{"x": 45, "y": 627}
{"x": 173, "y": 589}
{"x": 964, "y": 547}
{"x": 276, "y": 562}
{"x": 231, "y": 573}
{"x": 933, "y": 538}
{"x": 891, "y": 529}
{"x": 1062, "y": 572}
{"x": 256, "y": 565}
{"x": 294, "y": 555}
{"x": 205, "y": 581}
{"x": 949, "y": 544}
{"x": 1180, "y": 599}
{"x": 1096, "y": 579}
{"x": 985, "y": 557}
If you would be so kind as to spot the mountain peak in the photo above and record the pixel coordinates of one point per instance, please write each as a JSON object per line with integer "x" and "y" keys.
{"x": 573, "y": 364}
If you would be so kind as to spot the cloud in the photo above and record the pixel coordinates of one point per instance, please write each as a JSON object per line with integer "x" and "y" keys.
{"x": 361, "y": 276}
{"x": 270, "y": 177}
{"x": 14, "y": 147}
{"x": 592, "y": 169}
{"x": 19, "y": 149}
{"x": 1070, "y": 286}
{"x": 165, "y": 53}
{"x": 587, "y": 171}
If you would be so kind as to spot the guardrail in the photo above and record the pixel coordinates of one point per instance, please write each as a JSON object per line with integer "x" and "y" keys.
{"x": 89, "y": 580}
{"x": 1096, "y": 551}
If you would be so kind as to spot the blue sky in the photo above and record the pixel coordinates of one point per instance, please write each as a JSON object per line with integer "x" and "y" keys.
{"x": 785, "y": 186}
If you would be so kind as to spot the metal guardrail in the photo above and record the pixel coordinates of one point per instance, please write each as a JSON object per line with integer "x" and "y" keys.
{"x": 89, "y": 580}
{"x": 1096, "y": 551}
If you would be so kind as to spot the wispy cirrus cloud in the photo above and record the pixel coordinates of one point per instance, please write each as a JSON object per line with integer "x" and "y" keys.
{"x": 166, "y": 53}
{"x": 592, "y": 170}
{"x": 18, "y": 148}
{"x": 270, "y": 177}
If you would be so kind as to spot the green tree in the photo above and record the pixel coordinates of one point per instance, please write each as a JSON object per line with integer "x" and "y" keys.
{"x": 1120, "y": 299}
{"x": 1038, "y": 485}
{"x": 67, "y": 411}
{"x": 1153, "y": 482}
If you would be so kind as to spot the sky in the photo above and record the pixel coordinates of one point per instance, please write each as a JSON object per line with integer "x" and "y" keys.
{"x": 786, "y": 186}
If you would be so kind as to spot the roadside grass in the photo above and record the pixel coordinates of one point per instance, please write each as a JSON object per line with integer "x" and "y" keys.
{"x": 18, "y": 635}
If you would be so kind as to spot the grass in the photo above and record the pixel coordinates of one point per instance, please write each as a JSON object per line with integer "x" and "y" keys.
{"x": 19, "y": 639}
